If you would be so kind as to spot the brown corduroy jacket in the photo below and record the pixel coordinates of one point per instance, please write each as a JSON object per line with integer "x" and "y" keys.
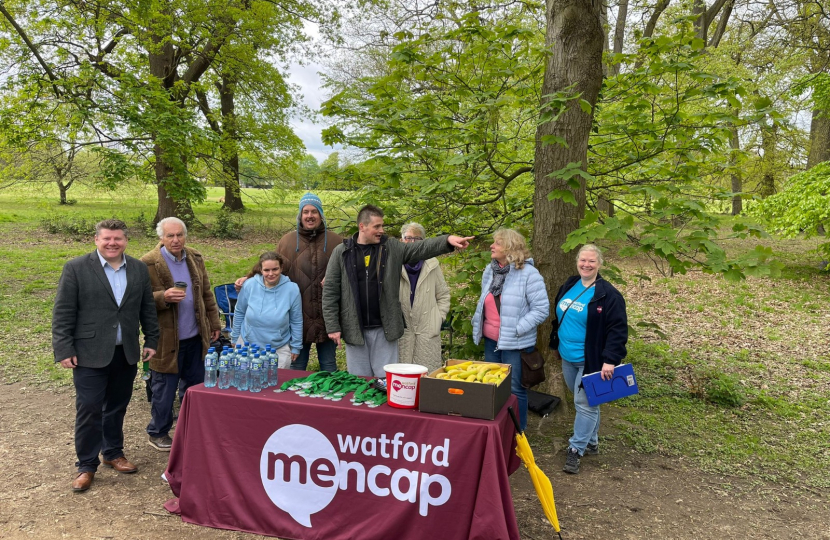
{"x": 207, "y": 313}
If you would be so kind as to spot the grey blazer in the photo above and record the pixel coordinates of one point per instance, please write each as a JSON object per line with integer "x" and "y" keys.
{"x": 86, "y": 317}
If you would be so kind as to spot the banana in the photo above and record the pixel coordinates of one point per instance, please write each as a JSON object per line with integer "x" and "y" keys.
{"x": 488, "y": 367}
{"x": 477, "y": 372}
{"x": 462, "y": 365}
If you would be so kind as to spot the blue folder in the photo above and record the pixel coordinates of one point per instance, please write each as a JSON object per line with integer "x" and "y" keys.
{"x": 622, "y": 384}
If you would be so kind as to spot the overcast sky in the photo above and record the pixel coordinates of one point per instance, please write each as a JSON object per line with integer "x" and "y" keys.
{"x": 308, "y": 79}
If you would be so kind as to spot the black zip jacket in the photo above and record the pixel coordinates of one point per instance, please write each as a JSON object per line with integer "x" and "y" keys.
{"x": 368, "y": 279}
{"x": 607, "y": 330}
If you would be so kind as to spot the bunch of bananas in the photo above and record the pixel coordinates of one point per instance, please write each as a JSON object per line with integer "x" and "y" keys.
{"x": 474, "y": 372}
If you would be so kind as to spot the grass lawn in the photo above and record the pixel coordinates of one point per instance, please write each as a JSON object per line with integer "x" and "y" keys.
{"x": 740, "y": 384}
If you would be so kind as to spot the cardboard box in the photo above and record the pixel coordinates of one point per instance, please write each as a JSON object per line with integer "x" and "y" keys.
{"x": 461, "y": 398}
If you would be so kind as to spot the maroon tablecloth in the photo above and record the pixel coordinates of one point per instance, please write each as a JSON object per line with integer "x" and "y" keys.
{"x": 303, "y": 468}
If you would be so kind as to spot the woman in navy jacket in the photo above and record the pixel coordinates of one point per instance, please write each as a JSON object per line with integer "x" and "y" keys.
{"x": 590, "y": 331}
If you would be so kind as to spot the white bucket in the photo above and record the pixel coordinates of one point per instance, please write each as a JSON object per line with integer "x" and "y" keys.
{"x": 402, "y": 388}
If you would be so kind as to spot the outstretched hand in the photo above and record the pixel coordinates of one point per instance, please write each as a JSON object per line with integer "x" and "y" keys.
{"x": 459, "y": 242}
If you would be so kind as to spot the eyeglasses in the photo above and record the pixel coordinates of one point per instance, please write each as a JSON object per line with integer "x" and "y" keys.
{"x": 412, "y": 238}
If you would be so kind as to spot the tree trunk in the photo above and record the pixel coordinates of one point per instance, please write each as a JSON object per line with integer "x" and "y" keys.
{"x": 575, "y": 37}
{"x": 62, "y": 189}
{"x": 737, "y": 181}
{"x": 167, "y": 206}
{"x": 230, "y": 148}
{"x": 648, "y": 32}
{"x": 819, "y": 145}
{"x": 606, "y": 35}
{"x": 701, "y": 24}
{"x": 161, "y": 59}
{"x": 722, "y": 23}
{"x": 606, "y": 206}
{"x": 769, "y": 136}
{"x": 619, "y": 32}
{"x": 659, "y": 8}
{"x": 819, "y": 138}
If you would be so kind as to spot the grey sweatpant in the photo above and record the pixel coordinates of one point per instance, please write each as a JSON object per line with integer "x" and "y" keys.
{"x": 368, "y": 360}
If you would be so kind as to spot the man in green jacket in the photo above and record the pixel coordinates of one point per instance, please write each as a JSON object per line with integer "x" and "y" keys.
{"x": 360, "y": 295}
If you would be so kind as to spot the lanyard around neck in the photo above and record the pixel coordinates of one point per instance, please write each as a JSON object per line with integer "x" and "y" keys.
{"x": 565, "y": 311}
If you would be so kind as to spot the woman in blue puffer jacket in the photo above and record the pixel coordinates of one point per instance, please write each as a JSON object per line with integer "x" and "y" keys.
{"x": 269, "y": 310}
{"x": 513, "y": 303}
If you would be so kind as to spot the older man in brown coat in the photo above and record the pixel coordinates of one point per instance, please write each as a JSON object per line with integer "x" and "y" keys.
{"x": 189, "y": 321}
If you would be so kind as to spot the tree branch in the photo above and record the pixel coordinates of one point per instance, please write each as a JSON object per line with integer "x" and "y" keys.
{"x": 204, "y": 106}
{"x": 722, "y": 23}
{"x": 22, "y": 33}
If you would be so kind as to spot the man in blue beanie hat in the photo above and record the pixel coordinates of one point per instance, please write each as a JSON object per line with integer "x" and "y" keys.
{"x": 307, "y": 251}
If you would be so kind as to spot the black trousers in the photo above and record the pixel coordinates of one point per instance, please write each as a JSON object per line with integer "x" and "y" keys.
{"x": 101, "y": 399}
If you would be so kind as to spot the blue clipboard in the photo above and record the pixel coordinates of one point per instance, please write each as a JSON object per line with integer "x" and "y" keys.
{"x": 622, "y": 384}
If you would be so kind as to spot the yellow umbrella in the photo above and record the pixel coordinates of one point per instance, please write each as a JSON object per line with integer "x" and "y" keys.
{"x": 544, "y": 489}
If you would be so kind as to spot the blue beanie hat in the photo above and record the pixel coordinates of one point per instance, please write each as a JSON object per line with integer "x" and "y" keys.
{"x": 313, "y": 200}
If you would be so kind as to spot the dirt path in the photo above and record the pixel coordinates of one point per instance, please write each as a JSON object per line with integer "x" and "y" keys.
{"x": 618, "y": 495}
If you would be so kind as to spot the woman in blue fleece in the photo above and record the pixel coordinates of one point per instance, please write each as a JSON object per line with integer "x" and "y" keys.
{"x": 269, "y": 310}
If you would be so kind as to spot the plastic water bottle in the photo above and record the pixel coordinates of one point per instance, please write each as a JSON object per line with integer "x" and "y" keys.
{"x": 244, "y": 373}
{"x": 266, "y": 356}
{"x": 263, "y": 374}
{"x": 210, "y": 368}
{"x": 273, "y": 363}
{"x": 225, "y": 373}
{"x": 255, "y": 384}
{"x": 235, "y": 357}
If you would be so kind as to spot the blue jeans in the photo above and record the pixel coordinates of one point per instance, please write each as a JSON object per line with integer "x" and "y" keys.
{"x": 586, "y": 422}
{"x": 325, "y": 354}
{"x": 493, "y": 354}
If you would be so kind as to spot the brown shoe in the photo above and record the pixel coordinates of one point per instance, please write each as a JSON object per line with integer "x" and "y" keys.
{"x": 121, "y": 465}
{"x": 82, "y": 481}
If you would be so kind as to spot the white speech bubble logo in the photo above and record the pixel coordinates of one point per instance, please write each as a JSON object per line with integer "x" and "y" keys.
{"x": 299, "y": 471}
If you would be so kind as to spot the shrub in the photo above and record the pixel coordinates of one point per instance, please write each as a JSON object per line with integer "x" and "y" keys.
{"x": 716, "y": 387}
{"x": 228, "y": 225}
{"x": 725, "y": 390}
{"x": 75, "y": 227}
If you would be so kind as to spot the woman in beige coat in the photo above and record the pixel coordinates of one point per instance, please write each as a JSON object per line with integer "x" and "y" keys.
{"x": 425, "y": 301}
